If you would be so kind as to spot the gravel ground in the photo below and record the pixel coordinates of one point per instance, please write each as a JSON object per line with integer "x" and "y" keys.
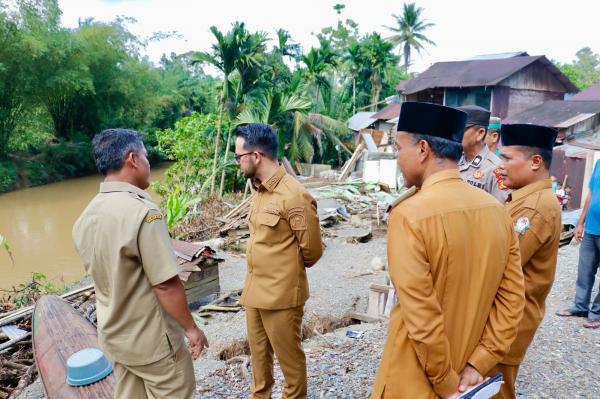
{"x": 563, "y": 361}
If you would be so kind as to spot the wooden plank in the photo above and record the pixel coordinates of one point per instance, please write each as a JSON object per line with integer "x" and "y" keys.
{"x": 288, "y": 167}
{"x": 351, "y": 162}
{"x": 365, "y": 317}
{"x": 58, "y": 332}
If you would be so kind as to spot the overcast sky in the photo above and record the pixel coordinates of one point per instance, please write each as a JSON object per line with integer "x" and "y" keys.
{"x": 463, "y": 28}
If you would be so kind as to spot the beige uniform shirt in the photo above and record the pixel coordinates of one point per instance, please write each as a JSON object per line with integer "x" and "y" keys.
{"x": 483, "y": 172}
{"x": 454, "y": 261}
{"x": 536, "y": 217}
{"x": 285, "y": 238}
{"x": 124, "y": 244}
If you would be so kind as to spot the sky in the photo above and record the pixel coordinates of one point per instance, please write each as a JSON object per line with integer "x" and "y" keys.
{"x": 463, "y": 28}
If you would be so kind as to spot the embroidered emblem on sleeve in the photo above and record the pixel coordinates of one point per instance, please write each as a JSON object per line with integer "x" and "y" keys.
{"x": 522, "y": 225}
{"x": 297, "y": 219}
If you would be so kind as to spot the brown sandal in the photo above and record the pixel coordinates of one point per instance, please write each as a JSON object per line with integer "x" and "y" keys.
{"x": 591, "y": 324}
{"x": 571, "y": 313}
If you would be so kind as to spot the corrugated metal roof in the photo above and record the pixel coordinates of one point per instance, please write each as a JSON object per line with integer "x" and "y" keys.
{"x": 556, "y": 113}
{"x": 479, "y": 73}
{"x": 573, "y": 120}
{"x": 499, "y": 56}
{"x": 389, "y": 112}
{"x": 592, "y": 93}
{"x": 360, "y": 120}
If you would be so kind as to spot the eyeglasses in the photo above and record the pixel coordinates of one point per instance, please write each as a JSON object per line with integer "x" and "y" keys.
{"x": 238, "y": 158}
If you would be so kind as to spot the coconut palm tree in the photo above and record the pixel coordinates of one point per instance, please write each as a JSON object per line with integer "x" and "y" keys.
{"x": 238, "y": 55}
{"x": 296, "y": 126}
{"x": 378, "y": 56}
{"x": 285, "y": 47}
{"x": 223, "y": 56}
{"x": 249, "y": 67}
{"x": 409, "y": 31}
{"x": 318, "y": 62}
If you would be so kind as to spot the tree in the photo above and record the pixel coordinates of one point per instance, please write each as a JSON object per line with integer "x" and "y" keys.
{"x": 14, "y": 51}
{"x": 223, "y": 56}
{"x": 409, "y": 31}
{"x": 584, "y": 71}
{"x": 318, "y": 62}
{"x": 378, "y": 56}
{"x": 295, "y": 125}
{"x": 249, "y": 67}
{"x": 285, "y": 47}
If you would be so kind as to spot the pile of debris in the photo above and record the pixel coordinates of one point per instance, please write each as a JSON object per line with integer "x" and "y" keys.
{"x": 17, "y": 365}
{"x": 198, "y": 270}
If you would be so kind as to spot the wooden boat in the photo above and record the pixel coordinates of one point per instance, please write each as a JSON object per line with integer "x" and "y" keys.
{"x": 58, "y": 332}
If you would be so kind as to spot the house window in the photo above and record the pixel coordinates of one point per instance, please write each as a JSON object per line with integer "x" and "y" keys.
{"x": 481, "y": 96}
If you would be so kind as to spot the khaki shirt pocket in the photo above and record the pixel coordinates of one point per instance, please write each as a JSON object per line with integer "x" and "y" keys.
{"x": 268, "y": 219}
{"x": 268, "y": 228}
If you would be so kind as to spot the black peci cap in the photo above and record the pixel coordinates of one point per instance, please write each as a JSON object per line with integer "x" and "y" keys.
{"x": 476, "y": 115}
{"x": 433, "y": 120}
{"x": 528, "y": 135}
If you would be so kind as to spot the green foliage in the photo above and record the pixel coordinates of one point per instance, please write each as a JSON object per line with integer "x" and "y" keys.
{"x": 584, "y": 71}
{"x": 26, "y": 294}
{"x": 6, "y": 246}
{"x": 8, "y": 176}
{"x": 409, "y": 31}
{"x": 178, "y": 205}
{"x": 190, "y": 143}
{"x": 65, "y": 85}
{"x": 33, "y": 133}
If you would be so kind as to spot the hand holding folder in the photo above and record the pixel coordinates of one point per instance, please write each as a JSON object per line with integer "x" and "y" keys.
{"x": 487, "y": 389}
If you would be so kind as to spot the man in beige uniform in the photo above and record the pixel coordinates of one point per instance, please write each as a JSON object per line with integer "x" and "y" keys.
{"x": 536, "y": 215}
{"x": 142, "y": 311}
{"x": 285, "y": 239}
{"x": 454, "y": 262}
{"x": 479, "y": 166}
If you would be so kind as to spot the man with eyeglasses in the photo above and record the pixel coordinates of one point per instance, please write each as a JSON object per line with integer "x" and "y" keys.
{"x": 285, "y": 239}
{"x": 479, "y": 166}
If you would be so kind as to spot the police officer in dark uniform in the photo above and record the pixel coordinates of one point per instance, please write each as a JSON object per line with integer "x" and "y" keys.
{"x": 478, "y": 165}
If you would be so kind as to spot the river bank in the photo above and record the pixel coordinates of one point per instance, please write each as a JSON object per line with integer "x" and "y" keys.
{"x": 37, "y": 223}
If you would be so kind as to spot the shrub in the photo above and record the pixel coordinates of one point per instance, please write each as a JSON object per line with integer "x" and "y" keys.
{"x": 8, "y": 176}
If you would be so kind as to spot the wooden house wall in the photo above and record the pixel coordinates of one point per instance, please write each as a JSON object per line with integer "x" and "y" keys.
{"x": 500, "y": 97}
{"x": 535, "y": 77}
{"x": 587, "y": 126}
{"x": 520, "y": 99}
{"x": 435, "y": 96}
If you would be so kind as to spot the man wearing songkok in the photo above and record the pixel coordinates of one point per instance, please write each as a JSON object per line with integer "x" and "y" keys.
{"x": 459, "y": 302}
{"x": 536, "y": 215}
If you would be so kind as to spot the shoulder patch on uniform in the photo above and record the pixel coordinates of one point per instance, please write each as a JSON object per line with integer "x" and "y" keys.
{"x": 298, "y": 221}
{"x": 498, "y": 173}
{"x": 151, "y": 218}
{"x": 522, "y": 225}
{"x": 296, "y": 209}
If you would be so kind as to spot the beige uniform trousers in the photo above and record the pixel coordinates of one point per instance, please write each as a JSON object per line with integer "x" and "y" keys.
{"x": 170, "y": 377}
{"x": 510, "y": 376}
{"x": 277, "y": 331}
